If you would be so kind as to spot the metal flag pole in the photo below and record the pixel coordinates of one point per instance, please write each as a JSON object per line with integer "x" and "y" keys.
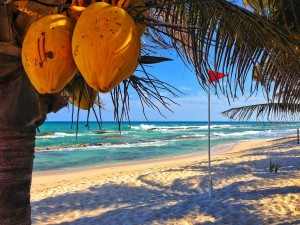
{"x": 213, "y": 75}
{"x": 210, "y": 185}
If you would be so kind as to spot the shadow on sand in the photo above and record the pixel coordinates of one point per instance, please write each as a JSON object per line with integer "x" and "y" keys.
{"x": 156, "y": 203}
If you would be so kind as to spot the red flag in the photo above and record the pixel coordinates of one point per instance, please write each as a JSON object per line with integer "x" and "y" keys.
{"x": 213, "y": 76}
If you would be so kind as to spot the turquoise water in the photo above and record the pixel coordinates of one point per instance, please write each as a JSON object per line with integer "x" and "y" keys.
{"x": 139, "y": 140}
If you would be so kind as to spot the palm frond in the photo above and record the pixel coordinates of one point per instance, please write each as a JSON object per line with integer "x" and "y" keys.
{"x": 218, "y": 35}
{"x": 268, "y": 111}
{"x": 146, "y": 59}
{"x": 285, "y": 13}
{"x": 263, "y": 7}
{"x": 149, "y": 90}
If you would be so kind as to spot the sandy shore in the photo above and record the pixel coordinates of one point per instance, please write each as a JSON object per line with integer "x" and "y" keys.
{"x": 174, "y": 190}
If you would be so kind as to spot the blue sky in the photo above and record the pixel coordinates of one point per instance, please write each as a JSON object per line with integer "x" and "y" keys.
{"x": 193, "y": 104}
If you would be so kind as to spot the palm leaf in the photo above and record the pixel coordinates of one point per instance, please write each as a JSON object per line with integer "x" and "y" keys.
{"x": 263, "y": 7}
{"x": 219, "y": 35}
{"x": 269, "y": 111}
{"x": 149, "y": 91}
{"x": 146, "y": 59}
{"x": 285, "y": 13}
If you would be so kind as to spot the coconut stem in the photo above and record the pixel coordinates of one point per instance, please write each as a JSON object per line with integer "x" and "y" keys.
{"x": 27, "y": 11}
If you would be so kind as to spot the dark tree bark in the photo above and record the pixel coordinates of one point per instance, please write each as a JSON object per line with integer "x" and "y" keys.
{"x": 16, "y": 162}
{"x": 18, "y": 114}
{"x": 22, "y": 110}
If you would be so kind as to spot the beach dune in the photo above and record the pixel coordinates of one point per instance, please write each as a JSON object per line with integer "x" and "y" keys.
{"x": 174, "y": 190}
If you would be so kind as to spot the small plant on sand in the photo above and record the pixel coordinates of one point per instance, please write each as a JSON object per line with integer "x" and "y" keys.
{"x": 273, "y": 167}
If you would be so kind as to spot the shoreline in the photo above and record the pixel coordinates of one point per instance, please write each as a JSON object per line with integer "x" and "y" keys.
{"x": 216, "y": 150}
{"x": 174, "y": 191}
{"x": 41, "y": 178}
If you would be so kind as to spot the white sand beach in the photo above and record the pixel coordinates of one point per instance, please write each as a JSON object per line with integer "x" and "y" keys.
{"x": 174, "y": 190}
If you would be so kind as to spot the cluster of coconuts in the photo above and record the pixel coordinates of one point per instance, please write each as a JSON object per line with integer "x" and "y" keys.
{"x": 104, "y": 45}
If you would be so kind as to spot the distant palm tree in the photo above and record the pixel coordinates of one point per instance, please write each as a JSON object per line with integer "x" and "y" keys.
{"x": 206, "y": 34}
{"x": 283, "y": 105}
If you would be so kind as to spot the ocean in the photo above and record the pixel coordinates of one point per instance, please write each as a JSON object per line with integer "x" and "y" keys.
{"x": 59, "y": 147}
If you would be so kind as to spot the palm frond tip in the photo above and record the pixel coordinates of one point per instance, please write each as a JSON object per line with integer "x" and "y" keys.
{"x": 269, "y": 111}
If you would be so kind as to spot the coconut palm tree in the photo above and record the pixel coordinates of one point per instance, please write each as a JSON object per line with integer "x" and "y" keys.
{"x": 285, "y": 104}
{"x": 206, "y": 34}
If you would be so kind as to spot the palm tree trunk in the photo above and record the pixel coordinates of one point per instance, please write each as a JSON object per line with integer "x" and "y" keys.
{"x": 22, "y": 109}
{"x": 16, "y": 163}
{"x": 18, "y": 111}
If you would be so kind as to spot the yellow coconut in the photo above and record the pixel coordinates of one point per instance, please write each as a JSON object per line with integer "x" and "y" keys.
{"x": 47, "y": 53}
{"x": 80, "y": 94}
{"x": 105, "y": 45}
